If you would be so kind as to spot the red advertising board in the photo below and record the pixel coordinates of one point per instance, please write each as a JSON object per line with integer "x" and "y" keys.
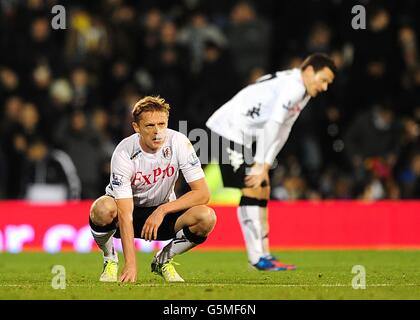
{"x": 302, "y": 224}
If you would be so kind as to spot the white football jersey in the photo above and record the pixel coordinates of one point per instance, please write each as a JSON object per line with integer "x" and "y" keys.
{"x": 280, "y": 96}
{"x": 149, "y": 178}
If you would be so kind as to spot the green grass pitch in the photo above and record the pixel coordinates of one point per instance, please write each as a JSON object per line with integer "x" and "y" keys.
{"x": 390, "y": 274}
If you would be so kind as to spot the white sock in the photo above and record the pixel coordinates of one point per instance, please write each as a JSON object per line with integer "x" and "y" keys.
{"x": 178, "y": 245}
{"x": 264, "y": 231}
{"x": 249, "y": 219}
{"x": 104, "y": 241}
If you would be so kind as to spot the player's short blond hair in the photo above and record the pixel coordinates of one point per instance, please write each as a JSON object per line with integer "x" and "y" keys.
{"x": 149, "y": 103}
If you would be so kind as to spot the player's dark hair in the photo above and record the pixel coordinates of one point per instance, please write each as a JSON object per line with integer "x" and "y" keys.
{"x": 319, "y": 61}
{"x": 149, "y": 103}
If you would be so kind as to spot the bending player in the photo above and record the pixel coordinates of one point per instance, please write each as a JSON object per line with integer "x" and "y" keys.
{"x": 263, "y": 112}
{"x": 140, "y": 201}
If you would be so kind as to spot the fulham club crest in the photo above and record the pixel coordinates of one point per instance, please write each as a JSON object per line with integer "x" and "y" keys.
{"x": 167, "y": 153}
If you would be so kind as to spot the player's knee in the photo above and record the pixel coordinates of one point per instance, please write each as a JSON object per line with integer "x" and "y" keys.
{"x": 265, "y": 193}
{"x": 206, "y": 218}
{"x": 255, "y": 193}
{"x": 211, "y": 217}
{"x": 103, "y": 211}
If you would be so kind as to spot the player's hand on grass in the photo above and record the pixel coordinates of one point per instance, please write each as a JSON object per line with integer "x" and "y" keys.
{"x": 152, "y": 224}
{"x": 129, "y": 274}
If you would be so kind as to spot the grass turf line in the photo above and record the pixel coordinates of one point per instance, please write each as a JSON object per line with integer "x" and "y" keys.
{"x": 390, "y": 274}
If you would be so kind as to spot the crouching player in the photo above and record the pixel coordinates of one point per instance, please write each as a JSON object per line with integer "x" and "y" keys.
{"x": 140, "y": 201}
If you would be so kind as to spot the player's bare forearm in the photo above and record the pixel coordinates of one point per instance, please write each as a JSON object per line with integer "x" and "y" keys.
{"x": 258, "y": 169}
{"x": 199, "y": 195}
{"x": 265, "y": 167}
{"x": 125, "y": 220}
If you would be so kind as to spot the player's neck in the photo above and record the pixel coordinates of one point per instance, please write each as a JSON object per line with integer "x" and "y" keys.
{"x": 304, "y": 81}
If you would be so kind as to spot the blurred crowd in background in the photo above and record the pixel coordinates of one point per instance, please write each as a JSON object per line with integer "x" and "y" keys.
{"x": 66, "y": 95}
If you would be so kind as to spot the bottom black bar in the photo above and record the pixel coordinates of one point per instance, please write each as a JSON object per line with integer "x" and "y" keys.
{"x": 208, "y": 309}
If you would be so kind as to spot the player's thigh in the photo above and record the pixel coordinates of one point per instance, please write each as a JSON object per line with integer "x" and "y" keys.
{"x": 141, "y": 214}
{"x": 194, "y": 215}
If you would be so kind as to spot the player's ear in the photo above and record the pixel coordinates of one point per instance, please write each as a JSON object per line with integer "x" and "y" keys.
{"x": 135, "y": 127}
{"x": 311, "y": 70}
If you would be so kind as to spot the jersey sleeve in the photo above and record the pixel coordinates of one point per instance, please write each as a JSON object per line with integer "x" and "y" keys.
{"x": 121, "y": 173}
{"x": 287, "y": 98}
{"x": 189, "y": 163}
{"x": 271, "y": 142}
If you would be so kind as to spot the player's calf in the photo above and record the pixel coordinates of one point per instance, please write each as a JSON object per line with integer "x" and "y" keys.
{"x": 102, "y": 221}
{"x": 202, "y": 220}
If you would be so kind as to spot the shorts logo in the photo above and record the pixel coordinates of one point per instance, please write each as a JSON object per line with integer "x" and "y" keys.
{"x": 116, "y": 179}
{"x": 236, "y": 159}
{"x": 167, "y": 153}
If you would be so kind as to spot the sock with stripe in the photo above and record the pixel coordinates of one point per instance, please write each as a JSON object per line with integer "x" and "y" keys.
{"x": 104, "y": 240}
{"x": 249, "y": 219}
{"x": 184, "y": 240}
{"x": 264, "y": 227}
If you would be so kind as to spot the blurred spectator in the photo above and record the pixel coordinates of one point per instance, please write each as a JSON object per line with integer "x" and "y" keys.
{"x": 123, "y": 29}
{"x": 249, "y": 39}
{"x": 10, "y": 114}
{"x": 171, "y": 71}
{"x": 9, "y": 83}
{"x": 118, "y": 75}
{"x": 49, "y": 175}
{"x": 407, "y": 38}
{"x": 8, "y": 152}
{"x": 206, "y": 94}
{"x": 410, "y": 178}
{"x": 100, "y": 123}
{"x": 372, "y": 144}
{"x": 319, "y": 39}
{"x": 121, "y": 113}
{"x": 3, "y": 173}
{"x": 410, "y": 143}
{"x": 57, "y": 106}
{"x": 22, "y": 131}
{"x": 38, "y": 88}
{"x": 82, "y": 143}
{"x": 196, "y": 34}
{"x": 375, "y": 133}
{"x": 331, "y": 140}
{"x": 288, "y": 183}
{"x": 88, "y": 40}
{"x": 40, "y": 43}
{"x": 375, "y": 57}
{"x": 410, "y": 93}
{"x": 83, "y": 92}
{"x": 336, "y": 186}
{"x": 150, "y": 37}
